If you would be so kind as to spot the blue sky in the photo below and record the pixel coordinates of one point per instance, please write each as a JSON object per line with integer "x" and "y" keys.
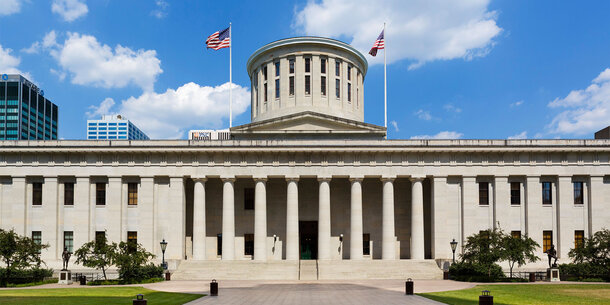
{"x": 457, "y": 69}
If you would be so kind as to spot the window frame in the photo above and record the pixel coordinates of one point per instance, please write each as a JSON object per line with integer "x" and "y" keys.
{"x": 248, "y": 244}
{"x": 132, "y": 193}
{"x": 68, "y": 193}
{"x": 69, "y": 242}
{"x": 579, "y": 239}
{"x": 515, "y": 193}
{"x": 100, "y": 193}
{"x": 483, "y": 193}
{"x": 366, "y": 244}
{"x": 132, "y": 240}
{"x": 547, "y": 240}
{"x": 545, "y": 192}
{"x": 36, "y": 193}
{"x": 579, "y": 193}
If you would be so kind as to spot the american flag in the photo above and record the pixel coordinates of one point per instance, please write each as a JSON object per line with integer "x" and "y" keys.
{"x": 378, "y": 45}
{"x": 219, "y": 40}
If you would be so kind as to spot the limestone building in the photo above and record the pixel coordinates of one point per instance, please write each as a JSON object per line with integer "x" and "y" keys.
{"x": 306, "y": 190}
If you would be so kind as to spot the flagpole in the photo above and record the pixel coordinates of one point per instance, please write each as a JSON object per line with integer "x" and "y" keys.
{"x": 385, "y": 82}
{"x": 231, "y": 78}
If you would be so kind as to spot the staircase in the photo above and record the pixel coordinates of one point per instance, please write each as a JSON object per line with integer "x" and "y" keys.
{"x": 308, "y": 270}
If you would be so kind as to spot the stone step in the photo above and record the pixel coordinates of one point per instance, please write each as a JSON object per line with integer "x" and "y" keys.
{"x": 308, "y": 270}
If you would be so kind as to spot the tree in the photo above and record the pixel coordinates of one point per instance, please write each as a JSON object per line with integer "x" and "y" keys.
{"x": 98, "y": 254}
{"x": 19, "y": 252}
{"x": 484, "y": 248}
{"x": 594, "y": 250}
{"x": 130, "y": 259}
{"x": 518, "y": 250}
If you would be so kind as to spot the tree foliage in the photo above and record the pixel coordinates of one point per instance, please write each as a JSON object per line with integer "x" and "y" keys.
{"x": 130, "y": 259}
{"x": 18, "y": 253}
{"x": 518, "y": 250}
{"x": 594, "y": 250}
{"x": 98, "y": 254}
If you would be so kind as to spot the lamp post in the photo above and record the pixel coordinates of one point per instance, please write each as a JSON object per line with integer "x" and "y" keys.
{"x": 453, "y": 244}
{"x": 163, "y": 247}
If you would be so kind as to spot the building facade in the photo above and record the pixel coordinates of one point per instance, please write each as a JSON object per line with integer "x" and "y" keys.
{"x": 114, "y": 127}
{"x": 307, "y": 190}
{"x": 25, "y": 114}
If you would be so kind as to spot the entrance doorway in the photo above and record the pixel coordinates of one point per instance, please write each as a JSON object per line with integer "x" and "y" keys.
{"x": 308, "y": 239}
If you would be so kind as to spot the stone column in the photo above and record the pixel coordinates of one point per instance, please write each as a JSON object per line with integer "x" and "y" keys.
{"x": 260, "y": 219}
{"x": 417, "y": 219}
{"x": 324, "y": 219}
{"x": 19, "y": 203}
{"x": 292, "y": 219}
{"x": 50, "y": 205}
{"x": 388, "y": 239}
{"x": 356, "y": 246}
{"x": 228, "y": 219}
{"x": 199, "y": 219}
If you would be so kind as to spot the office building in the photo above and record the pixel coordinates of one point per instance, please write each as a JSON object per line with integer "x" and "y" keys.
{"x": 113, "y": 127}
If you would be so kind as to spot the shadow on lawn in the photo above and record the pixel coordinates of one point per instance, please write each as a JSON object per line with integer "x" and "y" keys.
{"x": 153, "y": 298}
{"x": 458, "y": 301}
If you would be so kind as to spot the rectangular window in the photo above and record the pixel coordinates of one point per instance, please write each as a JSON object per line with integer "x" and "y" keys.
{"x": 132, "y": 240}
{"x": 100, "y": 237}
{"x": 323, "y": 85}
{"x": 132, "y": 193}
{"x": 291, "y": 85}
{"x": 337, "y": 88}
{"x": 69, "y": 240}
{"x": 483, "y": 193}
{"x": 277, "y": 88}
{"x": 37, "y": 193}
{"x": 547, "y": 193}
{"x": 37, "y": 237}
{"x": 291, "y": 66}
{"x": 366, "y": 244}
{"x": 337, "y": 68}
{"x": 515, "y": 193}
{"x": 547, "y": 240}
{"x": 307, "y": 65}
{"x": 265, "y": 72}
{"x": 578, "y": 193}
{"x": 515, "y": 234}
{"x": 579, "y": 238}
{"x": 218, "y": 244}
{"x": 248, "y": 199}
{"x": 100, "y": 193}
{"x": 349, "y": 72}
{"x": 69, "y": 193}
{"x": 265, "y": 91}
{"x": 248, "y": 244}
{"x": 307, "y": 84}
{"x": 277, "y": 68}
{"x": 323, "y": 65}
{"x": 349, "y": 92}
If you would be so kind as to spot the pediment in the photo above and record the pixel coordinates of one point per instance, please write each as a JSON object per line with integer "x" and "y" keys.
{"x": 308, "y": 123}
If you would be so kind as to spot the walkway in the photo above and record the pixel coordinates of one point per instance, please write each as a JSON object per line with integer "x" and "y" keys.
{"x": 318, "y": 292}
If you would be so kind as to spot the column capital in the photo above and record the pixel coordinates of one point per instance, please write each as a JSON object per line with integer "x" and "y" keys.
{"x": 417, "y": 178}
{"x": 324, "y": 179}
{"x": 356, "y": 178}
{"x": 260, "y": 179}
{"x": 200, "y": 179}
{"x": 228, "y": 179}
{"x": 291, "y": 178}
{"x": 505, "y": 177}
{"x": 388, "y": 179}
{"x": 50, "y": 178}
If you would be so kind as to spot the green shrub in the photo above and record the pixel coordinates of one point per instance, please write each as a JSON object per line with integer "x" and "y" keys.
{"x": 468, "y": 272}
{"x": 23, "y": 276}
{"x": 583, "y": 271}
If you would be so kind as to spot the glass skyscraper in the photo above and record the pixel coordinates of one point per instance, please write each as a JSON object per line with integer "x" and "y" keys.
{"x": 113, "y": 127}
{"x": 25, "y": 114}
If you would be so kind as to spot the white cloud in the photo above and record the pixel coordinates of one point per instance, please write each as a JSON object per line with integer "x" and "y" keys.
{"x": 395, "y": 125}
{"x": 9, "y": 7}
{"x": 88, "y": 62}
{"x": 587, "y": 110}
{"x": 452, "y": 108}
{"x": 519, "y": 136}
{"x": 418, "y": 30}
{"x": 8, "y": 62}
{"x": 423, "y": 115}
{"x": 102, "y": 109}
{"x": 49, "y": 41}
{"x": 33, "y": 49}
{"x": 161, "y": 10}
{"x": 516, "y": 104}
{"x": 440, "y": 135}
{"x": 69, "y": 10}
{"x": 170, "y": 114}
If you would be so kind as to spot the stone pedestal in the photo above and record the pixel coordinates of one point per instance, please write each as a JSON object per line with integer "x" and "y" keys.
{"x": 552, "y": 274}
{"x": 65, "y": 277}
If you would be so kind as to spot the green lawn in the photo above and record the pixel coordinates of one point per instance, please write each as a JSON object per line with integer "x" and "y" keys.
{"x": 91, "y": 296}
{"x": 528, "y": 294}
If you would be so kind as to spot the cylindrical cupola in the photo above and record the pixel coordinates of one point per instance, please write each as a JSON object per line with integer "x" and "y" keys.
{"x": 300, "y": 74}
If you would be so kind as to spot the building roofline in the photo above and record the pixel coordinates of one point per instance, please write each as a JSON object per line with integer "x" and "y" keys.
{"x": 308, "y": 40}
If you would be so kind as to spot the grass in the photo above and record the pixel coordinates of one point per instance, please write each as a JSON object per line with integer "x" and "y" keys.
{"x": 543, "y": 294}
{"x": 47, "y": 281}
{"x": 91, "y": 296}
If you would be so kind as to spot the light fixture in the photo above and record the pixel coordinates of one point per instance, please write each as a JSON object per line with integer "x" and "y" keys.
{"x": 453, "y": 244}
{"x": 163, "y": 247}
